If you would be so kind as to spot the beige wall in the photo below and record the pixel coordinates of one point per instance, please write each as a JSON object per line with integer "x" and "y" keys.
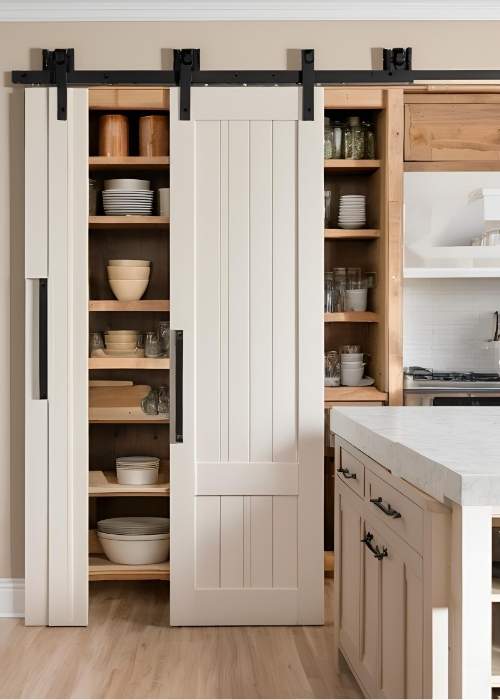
{"x": 143, "y": 45}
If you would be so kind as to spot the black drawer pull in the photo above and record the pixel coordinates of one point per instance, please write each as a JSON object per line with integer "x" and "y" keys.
{"x": 346, "y": 473}
{"x": 386, "y": 509}
{"x": 374, "y": 549}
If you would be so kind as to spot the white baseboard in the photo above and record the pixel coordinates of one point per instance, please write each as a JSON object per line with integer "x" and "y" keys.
{"x": 11, "y": 597}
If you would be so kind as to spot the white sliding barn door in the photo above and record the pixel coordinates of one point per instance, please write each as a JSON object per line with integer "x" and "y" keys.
{"x": 56, "y": 235}
{"x": 246, "y": 290}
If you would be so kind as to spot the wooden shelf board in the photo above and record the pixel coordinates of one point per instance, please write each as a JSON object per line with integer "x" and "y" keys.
{"x": 352, "y": 317}
{"x": 452, "y": 166}
{"x": 360, "y": 234}
{"x": 450, "y": 272}
{"x": 342, "y": 166}
{"x": 141, "y": 305}
{"x": 131, "y": 421}
{"x": 101, "y": 569}
{"x": 354, "y": 393}
{"x": 104, "y": 483}
{"x": 128, "y": 162}
{"x": 107, "y": 222}
{"x": 128, "y": 363}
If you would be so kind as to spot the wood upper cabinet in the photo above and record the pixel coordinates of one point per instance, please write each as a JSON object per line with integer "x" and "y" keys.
{"x": 452, "y": 127}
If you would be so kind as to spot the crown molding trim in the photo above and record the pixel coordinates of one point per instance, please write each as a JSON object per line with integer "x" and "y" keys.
{"x": 245, "y": 10}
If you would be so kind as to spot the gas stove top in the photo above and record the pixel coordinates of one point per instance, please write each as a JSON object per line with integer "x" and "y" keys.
{"x": 421, "y": 377}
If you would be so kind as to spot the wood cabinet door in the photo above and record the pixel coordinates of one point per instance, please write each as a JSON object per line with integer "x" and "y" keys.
{"x": 371, "y": 581}
{"x": 247, "y": 249}
{"x": 450, "y": 131}
{"x": 348, "y": 534}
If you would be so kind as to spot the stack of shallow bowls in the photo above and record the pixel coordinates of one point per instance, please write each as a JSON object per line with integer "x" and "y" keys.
{"x": 352, "y": 368}
{"x": 128, "y": 279}
{"x": 137, "y": 470}
{"x": 127, "y": 197}
{"x": 121, "y": 343}
{"x": 135, "y": 540}
{"x": 352, "y": 211}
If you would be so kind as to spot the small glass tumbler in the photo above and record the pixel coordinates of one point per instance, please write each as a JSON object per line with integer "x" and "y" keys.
{"x": 163, "y": 401}
{"x": 164, "y": 334}
{"x": 96, "y": 342}
{"x": 152, "y": 345}
{"x": 332, "y": 368}
{"x": 149, "y": 404}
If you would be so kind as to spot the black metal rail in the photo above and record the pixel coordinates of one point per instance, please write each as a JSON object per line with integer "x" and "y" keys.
{"x": 59, "y": 71}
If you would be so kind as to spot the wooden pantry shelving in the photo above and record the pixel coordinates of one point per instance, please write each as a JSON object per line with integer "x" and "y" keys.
{"x": 352, "y": 234}
{"x": 105, "y": 484}
{"x": 128, "y": 162}
{"x": 352, "y": 317}
{"x": 128, "y": 363}
{"x": 106, "y": 222}
{"x": 347, "y": 166}
{"x": 101, "y": 569}
{"x": 354, "y": 393}
{"x": 112, "y": 305}
{"x": 133, "y": 420}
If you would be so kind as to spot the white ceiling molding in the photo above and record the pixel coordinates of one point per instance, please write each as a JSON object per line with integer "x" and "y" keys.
{"x": 244, "y": 10}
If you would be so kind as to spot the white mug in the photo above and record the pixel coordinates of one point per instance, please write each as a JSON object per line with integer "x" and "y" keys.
{"x": 164, "y": 201}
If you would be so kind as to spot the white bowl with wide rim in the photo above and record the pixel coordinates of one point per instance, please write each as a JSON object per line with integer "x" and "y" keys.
{"x": 128, "y": 290}
{"x": 135, "y": 550}
{"x": 127, "y": 272}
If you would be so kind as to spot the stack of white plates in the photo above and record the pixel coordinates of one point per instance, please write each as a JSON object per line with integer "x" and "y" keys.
{"x": 137, "y": 470}
{"x": 128, "y": 279}
{"x": 127, "y": 197}
{"x": 352, "y": 211}
{"x": 135, "y": 540}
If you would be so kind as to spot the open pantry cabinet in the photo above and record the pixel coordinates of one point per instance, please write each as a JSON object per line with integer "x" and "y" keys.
{"x": 237, "y": 272}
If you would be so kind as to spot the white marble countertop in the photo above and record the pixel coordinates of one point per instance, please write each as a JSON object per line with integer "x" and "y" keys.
{"x": 447, "y": 452}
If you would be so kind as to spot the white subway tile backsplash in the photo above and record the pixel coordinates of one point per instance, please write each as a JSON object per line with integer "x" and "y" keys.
{"x": 447, "y": 321}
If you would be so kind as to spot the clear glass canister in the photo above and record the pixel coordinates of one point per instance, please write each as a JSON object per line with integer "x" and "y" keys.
{"x": 328, "y": 140}
{"x": 330, "y": 293}
{"x": 92, "y": 198}
{"x": 370, "y": 146}
{"x": 339, "y": 281}
{"x": 332, "y": 368}
{"x": 357, "y": 139}
{"x": 328, "y": 208}
{"x": 338, "y": 138}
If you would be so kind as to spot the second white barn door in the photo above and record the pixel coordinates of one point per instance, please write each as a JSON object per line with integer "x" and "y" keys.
{"x": 246, "y": 290}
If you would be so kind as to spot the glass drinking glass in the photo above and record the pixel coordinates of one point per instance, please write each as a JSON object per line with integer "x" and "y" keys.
{"x": 164, "y": 334}
{"x": 338, "y": 132}
{"x": 328, "y": 208}
{"x": 328, "y": 139}
{"x": 348, "y": 349}
{"x": 353, "y": 275}
{"x": 149, "y": 403}
{"x": 152, "y": 345}
{"x": 330, "y": 293}
{"x": 163, "y": 401}
{"x": 339, "y": 274}
{"x": 332, "y": 368}
{"x": 96, "y": 342}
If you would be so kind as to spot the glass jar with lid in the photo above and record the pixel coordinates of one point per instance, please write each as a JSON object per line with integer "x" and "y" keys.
{"x": 328, "y": 139}
{"x": 337, "y": 128}
{"x": 354, "y": 139}
{"x": 369, "y": 136}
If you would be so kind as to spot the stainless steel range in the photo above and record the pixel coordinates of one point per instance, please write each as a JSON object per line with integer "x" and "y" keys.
{"x": 424, "y": 387}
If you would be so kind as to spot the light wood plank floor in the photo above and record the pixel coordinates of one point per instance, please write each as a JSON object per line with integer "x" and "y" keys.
{"x": 129, "y": 651}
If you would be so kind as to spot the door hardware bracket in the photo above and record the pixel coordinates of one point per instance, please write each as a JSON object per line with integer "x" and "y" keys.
{"x": 308, "y": 84}
{"x": 395, "y": 60}
{"x": 59, "y": 63}
{"x": 185, "y": 62}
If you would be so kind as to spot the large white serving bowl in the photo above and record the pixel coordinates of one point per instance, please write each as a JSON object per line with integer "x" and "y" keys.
{"x": 129, "y": 263}
{"x": 139, "y": 476}
{"x": 128, "y": 290}
{"x": 126, "y": 272}
{"x": 135, "y": 549}
{"x": 126, "y": 183}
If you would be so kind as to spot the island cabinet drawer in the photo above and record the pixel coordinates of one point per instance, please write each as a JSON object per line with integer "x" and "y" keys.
{"x": 350, "y": 470}
{"x": 397, "y": 511}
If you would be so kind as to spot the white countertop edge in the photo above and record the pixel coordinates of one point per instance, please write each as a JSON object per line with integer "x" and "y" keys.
{"x": 431, "y": 477}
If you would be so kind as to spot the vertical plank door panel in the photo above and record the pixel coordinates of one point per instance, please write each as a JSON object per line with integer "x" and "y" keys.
{"x": 285, "y": 559}
{"x": 208, "y": 521}
{"x": 261, "y": 541}
{"x": 231, "y": 542}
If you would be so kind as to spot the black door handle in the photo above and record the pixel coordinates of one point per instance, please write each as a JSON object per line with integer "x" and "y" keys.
{"x": 346, "y": 473}
{"x": 42, "y": 338}
{"x": 179, "y": 348}
{"x": 374, "y": 549}
{"x": 386, "y": 509}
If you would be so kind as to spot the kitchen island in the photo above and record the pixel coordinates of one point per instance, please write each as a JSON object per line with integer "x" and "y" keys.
{"x": 417, "y": 493}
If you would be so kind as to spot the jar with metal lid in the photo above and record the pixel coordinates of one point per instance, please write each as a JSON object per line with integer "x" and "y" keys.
{"x": 369, "y": 135}
{"x": 354, "y": 139}
{"x": 328, "y": 139}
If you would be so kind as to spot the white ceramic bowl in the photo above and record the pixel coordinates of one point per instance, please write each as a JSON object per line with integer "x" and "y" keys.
{"x": 126, "y": 272}
{"x": 135, "y": 549}
{"x": 128, "y": 290}
{"x": 351, "y": 376}
{"x": 139, "y": 476}
{"x": 126, "y": 183}
{"x": 129, "y": 263}
{"x": 351, "y": 357}
{"x": 122, "y": 347}
{"x": 121, "y": 337}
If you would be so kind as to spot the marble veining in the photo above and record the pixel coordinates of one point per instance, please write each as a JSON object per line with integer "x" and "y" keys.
{"x": 447, "y": 452}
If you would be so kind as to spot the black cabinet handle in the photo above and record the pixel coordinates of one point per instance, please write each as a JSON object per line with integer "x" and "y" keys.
{"x": 346, "y": 473}
{"x": 42, "y": 338}
{"x": 374, "y": 549}
{"x": 179, "y": 347}
{"x": 386, "y": 509}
